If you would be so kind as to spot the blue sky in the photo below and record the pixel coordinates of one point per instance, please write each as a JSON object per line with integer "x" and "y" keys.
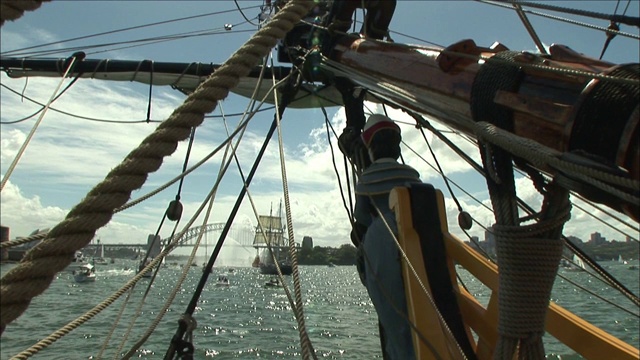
{"x": 68, "y": 156}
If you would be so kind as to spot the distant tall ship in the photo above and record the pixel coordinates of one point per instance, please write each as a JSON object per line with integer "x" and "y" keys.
{"x": 154, "y": 247}
{"x": 273, "y": 237}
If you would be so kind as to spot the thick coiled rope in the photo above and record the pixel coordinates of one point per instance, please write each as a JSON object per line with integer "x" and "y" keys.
{"x": 37, "y": 269}
{"x": 14, "y": 9}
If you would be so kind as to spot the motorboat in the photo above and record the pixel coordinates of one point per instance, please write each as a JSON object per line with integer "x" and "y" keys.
{"x": 274, "y": 282}
{"x": 84, "y": 273}
{"x": 222, "y": 281}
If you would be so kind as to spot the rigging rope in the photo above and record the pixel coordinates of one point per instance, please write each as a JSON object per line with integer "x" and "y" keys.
{"x": 17, "y": 287}
{"x": 423, "y": 287}
{"x": 138, "y": 42}
{"x": 173, "y": 213}
{"x": 111, "y": 32}
{"x": 307, "y": 352}
{"x": 43, "y": 106}
{"x": 628, "y": 20}
{"x": 176, "y": 240}
{"x": 565, "y": 20}
{"x": 530, "y": 29}
{"x": 605, "y": 277}
{"x": 40, "y": 236}
{"x": 14, "y": 163}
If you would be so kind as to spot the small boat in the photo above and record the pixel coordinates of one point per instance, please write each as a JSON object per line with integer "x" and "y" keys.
{"x": 85, "y": 273}
{"x": 576, "y": 264}
{"x": 78, "y": 257}
{"x": 100, "y": 260}
{"x": 222, "y": 281}
{"x": 274, "y": 282}
{"x": 621, "y": 260}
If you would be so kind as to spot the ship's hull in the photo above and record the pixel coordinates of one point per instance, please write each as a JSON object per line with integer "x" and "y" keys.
{"x": 270, "y": 269}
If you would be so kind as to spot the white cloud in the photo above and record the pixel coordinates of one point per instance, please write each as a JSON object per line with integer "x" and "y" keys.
{"x": 24, "y": 214}
{"x": 68, "y": 154}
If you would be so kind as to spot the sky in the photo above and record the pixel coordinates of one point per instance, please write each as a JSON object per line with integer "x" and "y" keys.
{"x": 67, "y": 155}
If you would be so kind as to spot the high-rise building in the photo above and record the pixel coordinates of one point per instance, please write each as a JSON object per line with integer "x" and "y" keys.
{"x": 307, "y": 242}
{"x": 597, "y": 239}
{"x": 4, "y": 236}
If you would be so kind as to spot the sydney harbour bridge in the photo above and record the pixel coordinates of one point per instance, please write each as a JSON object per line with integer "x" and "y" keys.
{"x": 241, "y": 236}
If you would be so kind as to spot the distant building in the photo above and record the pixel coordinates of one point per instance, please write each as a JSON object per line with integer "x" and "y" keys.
{"x": 307, "y": 243}
{"x": 4, "y": 236}
{"x": 489, "y": 242}
{"x": 597, "y": 239}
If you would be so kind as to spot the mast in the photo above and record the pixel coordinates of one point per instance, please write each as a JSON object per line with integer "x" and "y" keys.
{"x": 584, "y": 110}
{"x": 184, "y": 77}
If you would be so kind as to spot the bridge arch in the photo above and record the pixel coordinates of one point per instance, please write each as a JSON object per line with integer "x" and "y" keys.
{"x": 243, "y": 235}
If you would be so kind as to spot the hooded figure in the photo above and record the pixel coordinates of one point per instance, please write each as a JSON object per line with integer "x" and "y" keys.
{"x": 382, "y": 269}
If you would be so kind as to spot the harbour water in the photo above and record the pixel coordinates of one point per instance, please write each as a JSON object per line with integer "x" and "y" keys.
{"x": 248, "y": 320}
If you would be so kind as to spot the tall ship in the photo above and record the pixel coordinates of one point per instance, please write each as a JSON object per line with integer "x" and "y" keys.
{"x": 271, "y": 246}
{"x": 154, "y": 247}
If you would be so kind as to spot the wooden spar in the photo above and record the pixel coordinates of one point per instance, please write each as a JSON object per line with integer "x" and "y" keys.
{"x": 558, "y": 110}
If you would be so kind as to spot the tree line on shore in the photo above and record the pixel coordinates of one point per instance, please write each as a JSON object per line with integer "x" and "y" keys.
{"x": 346, "y": 254}
{"x": 318, "y": 255}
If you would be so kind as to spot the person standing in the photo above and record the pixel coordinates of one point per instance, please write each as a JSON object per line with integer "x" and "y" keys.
{"x": 382, "y": 269}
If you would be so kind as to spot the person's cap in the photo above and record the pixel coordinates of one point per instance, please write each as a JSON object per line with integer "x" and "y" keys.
{"x": 375, "y": 123}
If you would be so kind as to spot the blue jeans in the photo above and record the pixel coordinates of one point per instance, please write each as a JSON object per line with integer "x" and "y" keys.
{"x": 386, "y": 288}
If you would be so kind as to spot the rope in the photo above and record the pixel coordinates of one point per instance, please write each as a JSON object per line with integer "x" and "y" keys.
{"x": 53, "y": 97}
{"x": 178, "y": 287}
{"x": 305, "y": 343}
{"x": 569, "y": 21}
{"x": 528, "y": 260}
{"x": 40, "y": 236}
{"x": 80, "y": 320}
{"x": 539, "y": 155}
{"x": 530, "y": 29}
{"x": 13, "y": 9}
{"x": 16, "y": 242}
{"x": 628, "y": 20}
{"x": 423, "y": 287}
{"x": 36, "y": 271}
{"x": 240, "y": 128}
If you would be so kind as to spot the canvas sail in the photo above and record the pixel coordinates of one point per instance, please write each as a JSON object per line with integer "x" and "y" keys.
{"x": 273, "y": 230}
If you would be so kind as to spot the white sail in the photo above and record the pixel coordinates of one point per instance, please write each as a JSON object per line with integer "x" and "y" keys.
{"x": 578, "y": 262}
{"x": 273, "y": 230}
